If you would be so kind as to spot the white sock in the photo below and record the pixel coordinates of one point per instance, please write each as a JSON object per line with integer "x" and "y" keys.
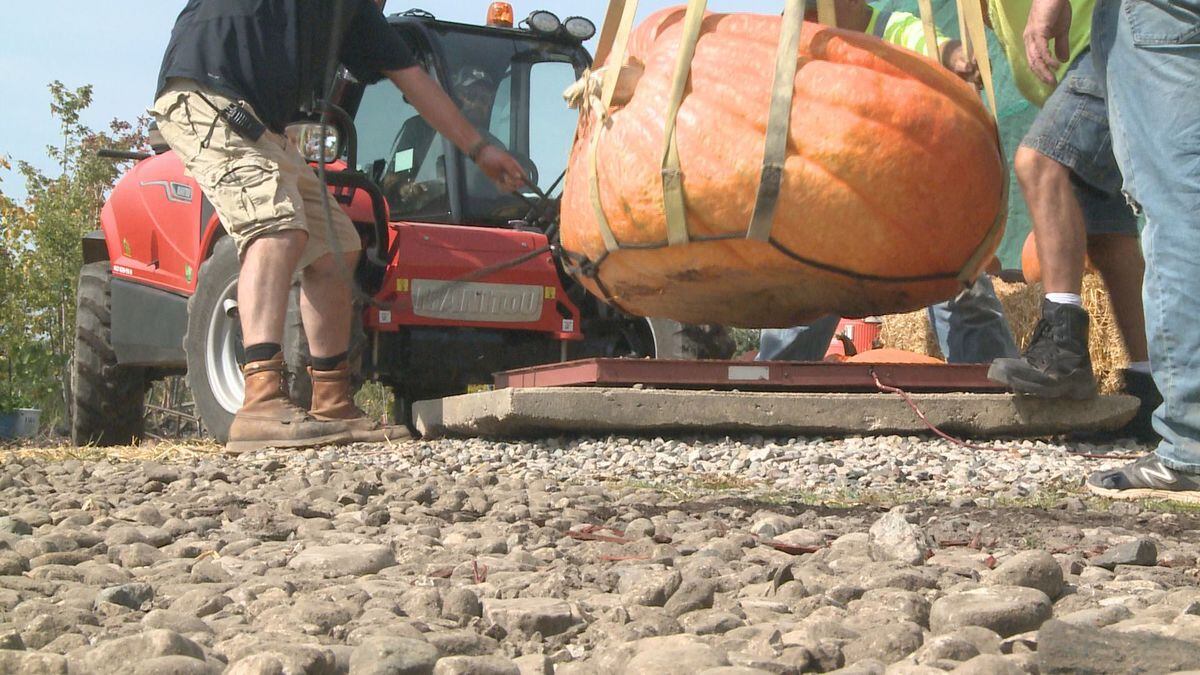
{"x": 1065, "y": 299}
{"x": 1140, "y": 367}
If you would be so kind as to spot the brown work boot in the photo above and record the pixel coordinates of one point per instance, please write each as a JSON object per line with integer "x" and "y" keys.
{"x": 331, "y": 400}
{"x": 269, "y": 419}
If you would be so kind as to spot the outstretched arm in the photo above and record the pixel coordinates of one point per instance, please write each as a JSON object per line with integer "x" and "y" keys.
{"x": 442, "y": 114}
{"x": 906, "y": 30}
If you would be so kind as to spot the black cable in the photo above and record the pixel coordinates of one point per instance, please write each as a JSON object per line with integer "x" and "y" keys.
{"x": 331, "y": 64}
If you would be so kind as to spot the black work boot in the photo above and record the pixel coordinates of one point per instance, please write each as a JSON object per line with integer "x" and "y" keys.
{"x": 1056, "y": 363}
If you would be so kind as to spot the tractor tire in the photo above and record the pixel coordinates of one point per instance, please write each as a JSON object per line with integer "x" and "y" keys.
{"x": 107, "y": 400}
{"x": 213, "y": 342}
{"x": 402, "y": 413}
{"x": 295, "y": 352}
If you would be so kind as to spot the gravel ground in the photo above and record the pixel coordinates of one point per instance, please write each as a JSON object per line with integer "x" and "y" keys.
{"x": 579, "y": 556}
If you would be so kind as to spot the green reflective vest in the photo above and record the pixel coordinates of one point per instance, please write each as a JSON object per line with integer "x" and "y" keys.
{"x": 1008, "y": 21}
{"x": 901, "y": 29}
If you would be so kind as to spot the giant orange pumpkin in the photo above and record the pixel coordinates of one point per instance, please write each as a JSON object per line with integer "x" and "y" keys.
{"x": 1031, "y": 267}
{"x": 892, "y": 183}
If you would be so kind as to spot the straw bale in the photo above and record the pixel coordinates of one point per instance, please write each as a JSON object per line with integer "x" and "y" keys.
{"x": 1023, "y": 307}
{"x": 55, "y": 450}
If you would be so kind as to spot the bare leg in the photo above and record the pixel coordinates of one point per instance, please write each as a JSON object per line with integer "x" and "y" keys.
{"x": 264, "y": 282}
{"x": 326, "y": 304}
{"x": 1056, "y": 363}
{"x": 1118, "y": 257}
{"x": 326, "y": 307}
{"x": 1057, "y": 220}
{"x": 267, "y": 418}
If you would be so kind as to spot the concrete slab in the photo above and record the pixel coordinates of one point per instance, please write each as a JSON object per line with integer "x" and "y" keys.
{"x": 547, "y": 411}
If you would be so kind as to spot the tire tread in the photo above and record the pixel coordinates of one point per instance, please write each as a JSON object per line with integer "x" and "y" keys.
{"x": 107, "y": 399}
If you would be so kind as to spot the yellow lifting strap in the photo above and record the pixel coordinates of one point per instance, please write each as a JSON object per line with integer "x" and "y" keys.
{"x": 672, "y": 176}
{"x": 932, "y": 49}
{"x": 826, "y": 13}
{"x": 974, "y": 37}
{"x": 608, "y": 32}
{"x": 962, "y": 30}
{"x": 979, "y": 259}
{"x": 970, "y": 21}
{"x": 778, "y": 123}
{"x": 614, "y": 41}
{"x": 606, "y": 233}
{"x": 621, "y": 27}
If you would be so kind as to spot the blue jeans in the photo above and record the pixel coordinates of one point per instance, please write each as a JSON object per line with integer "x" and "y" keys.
{"x": 970, "y": 329}
{"x": 798, "y": 343}
{"x": 1149, "y": 53}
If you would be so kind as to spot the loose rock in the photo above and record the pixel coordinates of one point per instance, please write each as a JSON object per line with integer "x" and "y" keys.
{"x": 1063, "y": 648}
{"x": 897, "y": 539}
{"x": 343, "y": 560}
{"x": 1142, "y": 552}
{"x": 393, "y": 656}
{"x": 1007, "y": 610}
{"x": 530, "y": 615}
{"x": 1032, "y": 569}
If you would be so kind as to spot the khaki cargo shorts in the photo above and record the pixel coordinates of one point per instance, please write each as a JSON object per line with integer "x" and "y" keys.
{"x": 257, "y": 188}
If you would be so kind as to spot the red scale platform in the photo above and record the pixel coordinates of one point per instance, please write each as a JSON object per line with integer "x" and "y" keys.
{"x": 779, "y": 376}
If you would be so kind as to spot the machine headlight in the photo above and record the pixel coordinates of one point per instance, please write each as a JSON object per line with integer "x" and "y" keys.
{"x": 543, "y": 22}
{"x": 307, "y": 136}
{"x": 580, "y": 28}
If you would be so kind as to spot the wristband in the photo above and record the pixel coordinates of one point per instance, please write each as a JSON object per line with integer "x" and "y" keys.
{"x": 476, "y": 149}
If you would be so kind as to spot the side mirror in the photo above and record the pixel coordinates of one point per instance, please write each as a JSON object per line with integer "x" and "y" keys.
{"x": 308, "y": 137}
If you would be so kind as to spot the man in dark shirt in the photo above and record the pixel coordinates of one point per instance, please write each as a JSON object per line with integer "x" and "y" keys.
{"x": 407, "y": 192}
{"x": 271, "y": 58}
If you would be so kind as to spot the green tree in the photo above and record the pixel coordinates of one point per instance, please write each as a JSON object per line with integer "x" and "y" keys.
{"x": 11, "y": 317}
{"x": 41, "y": 256}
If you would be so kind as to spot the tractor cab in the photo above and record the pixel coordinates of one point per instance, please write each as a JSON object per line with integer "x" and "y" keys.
{"x": 507, "y": 81}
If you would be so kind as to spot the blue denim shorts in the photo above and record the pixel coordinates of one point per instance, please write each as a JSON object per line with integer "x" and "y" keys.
{"x": 1072, "y": 129}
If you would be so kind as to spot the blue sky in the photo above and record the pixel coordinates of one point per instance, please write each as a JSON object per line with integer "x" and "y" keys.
{"x": 117, "y": 45}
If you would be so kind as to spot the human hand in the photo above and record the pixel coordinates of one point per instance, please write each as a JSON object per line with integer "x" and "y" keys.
{"x": 954, "y": 58}
{"x": 1048, "y": 20}
{"x": 505, "y": 171}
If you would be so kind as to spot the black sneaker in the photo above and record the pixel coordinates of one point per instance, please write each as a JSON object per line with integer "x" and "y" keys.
{"x": 1147, "y": 478}
{"x": 1056, "y": 363}
{"x": 1142, "y": 386}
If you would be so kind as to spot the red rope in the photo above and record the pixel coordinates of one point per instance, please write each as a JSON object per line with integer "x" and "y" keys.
{"x": 887, "y": 389}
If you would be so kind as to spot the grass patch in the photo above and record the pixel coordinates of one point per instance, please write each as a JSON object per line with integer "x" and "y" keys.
{"x": 375, "y": 400}
{"x": 1161, "y": 506}
{"x": 1045, "y": 500}
{"x": 844, "y": 498}
{"x": 722, "y": 483}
